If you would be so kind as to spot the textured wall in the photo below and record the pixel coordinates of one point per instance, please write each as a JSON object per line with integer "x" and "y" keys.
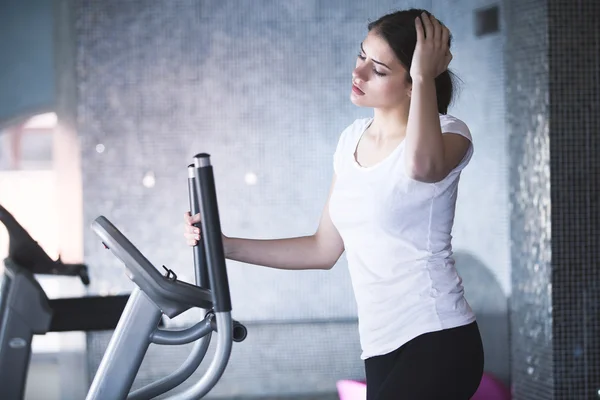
{"x": 527, "y": 94}
{"x": 574, "y": 80}
{"x": 263, "y": 87}
{"x": 553, "y": 81}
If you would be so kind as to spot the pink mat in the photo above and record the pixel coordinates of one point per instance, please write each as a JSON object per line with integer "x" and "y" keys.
{"x": 351, "y": 390}
{"x": 491, "y": 388}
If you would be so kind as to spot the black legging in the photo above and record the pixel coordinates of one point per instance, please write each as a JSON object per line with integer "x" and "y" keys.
{"x": 446, "y": 364}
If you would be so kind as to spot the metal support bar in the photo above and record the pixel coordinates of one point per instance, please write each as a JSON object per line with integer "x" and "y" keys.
{"x": 126, "y": 350}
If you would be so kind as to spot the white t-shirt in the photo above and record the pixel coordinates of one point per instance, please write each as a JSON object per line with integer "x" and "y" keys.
{"x": 397, "y": 236}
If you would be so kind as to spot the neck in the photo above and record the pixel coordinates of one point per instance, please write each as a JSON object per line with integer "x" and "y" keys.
{"x": 389, "y": 123}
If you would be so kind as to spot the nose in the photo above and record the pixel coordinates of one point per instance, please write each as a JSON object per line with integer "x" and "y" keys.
{"x": 356, "y": 79}
{"x": 358, "y": 75}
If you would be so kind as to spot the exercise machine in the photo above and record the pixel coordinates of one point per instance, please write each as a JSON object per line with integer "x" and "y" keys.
{"x": 156, "y": 295}
{"x": 25, "y": 309}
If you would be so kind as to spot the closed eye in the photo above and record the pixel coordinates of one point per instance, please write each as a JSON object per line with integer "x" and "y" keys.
{"x": 375, "y": 71}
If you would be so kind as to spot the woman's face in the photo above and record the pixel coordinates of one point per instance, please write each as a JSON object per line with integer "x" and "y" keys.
{"x": 379, "y": 79}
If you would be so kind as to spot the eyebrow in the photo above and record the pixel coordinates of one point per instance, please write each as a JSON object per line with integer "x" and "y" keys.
{"x": 375, "y": 61}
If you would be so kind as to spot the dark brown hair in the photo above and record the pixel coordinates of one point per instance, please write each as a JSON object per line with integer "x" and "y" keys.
{"x": 398, "y": 30}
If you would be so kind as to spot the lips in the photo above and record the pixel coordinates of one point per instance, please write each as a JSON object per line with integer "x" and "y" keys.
{"x": 357, "y": 90}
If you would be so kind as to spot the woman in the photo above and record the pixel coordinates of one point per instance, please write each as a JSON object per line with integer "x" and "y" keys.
{"x": 391, "y": 208}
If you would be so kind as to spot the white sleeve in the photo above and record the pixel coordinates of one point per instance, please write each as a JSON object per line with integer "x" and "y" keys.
{"x": 338, "y": 154}
{"x": 341, "y": 150}
{"x": 453, "y": 125}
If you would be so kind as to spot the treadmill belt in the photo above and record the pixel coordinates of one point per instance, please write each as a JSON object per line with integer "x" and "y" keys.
{"x": 92, "y": 313}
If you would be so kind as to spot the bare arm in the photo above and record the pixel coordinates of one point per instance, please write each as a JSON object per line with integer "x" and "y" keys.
{"x": 430, "y": 156}
{"x": 318, "y": 251}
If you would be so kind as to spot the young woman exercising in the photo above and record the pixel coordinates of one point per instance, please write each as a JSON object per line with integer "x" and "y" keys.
{"x": 391, "y": 208}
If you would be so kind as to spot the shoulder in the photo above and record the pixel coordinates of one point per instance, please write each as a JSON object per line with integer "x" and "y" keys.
{"x": 355, "y": 129}
{"x": 347, "y": 140}
{"x": 463, "y": 151}
{"x": 451, "y": 124}
{"x": 358, "y": 126}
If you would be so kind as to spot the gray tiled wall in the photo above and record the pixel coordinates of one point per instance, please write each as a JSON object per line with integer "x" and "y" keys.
{"x": 574, "y": 81}
{"x": 552, "y": 76}
{"x": 263, "y": 87}
{"x": 529, "y": 147}
{"x": 552, "y": 82}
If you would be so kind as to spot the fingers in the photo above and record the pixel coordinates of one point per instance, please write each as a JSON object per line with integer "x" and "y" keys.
{"x": 420, "y": 32}
{"x": 192, "y": 236}
{"x": 430, "y": 28}
{"x": 445, "y": 35}
{"x": 427, "y": 27}
{"x": 437, "y": 30}
{"x": 191, "y": 219}
{"x": 191, "y": 232}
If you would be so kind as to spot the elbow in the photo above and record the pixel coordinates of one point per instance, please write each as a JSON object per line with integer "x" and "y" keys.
{"x": 327, "y": 266}
{"x": 425, "y": 171}
{"x": 330, "y": 261}
{"x": 326, "y": 250}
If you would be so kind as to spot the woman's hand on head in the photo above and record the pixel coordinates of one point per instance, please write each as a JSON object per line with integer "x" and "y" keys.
{"x": 432, "y": 54}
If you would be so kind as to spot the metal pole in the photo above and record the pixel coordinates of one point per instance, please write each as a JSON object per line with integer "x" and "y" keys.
{"x": 126, "y": 350}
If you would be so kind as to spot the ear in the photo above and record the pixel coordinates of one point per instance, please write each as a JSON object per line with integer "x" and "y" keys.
{"x": 409, "y": 93}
